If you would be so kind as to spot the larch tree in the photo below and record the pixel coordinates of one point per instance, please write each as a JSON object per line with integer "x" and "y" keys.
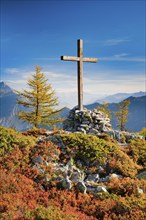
{"x": 122, "y": 114}
{"x": 39, "y": 101}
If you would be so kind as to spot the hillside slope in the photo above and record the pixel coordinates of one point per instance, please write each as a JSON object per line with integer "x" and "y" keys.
{"x": 70, "y": 176}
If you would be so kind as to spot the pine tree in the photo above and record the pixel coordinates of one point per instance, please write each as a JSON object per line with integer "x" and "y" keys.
{"x": 122, "y": 114}
{"x": 40, "y": 102}
{"x": 104, "y": 108}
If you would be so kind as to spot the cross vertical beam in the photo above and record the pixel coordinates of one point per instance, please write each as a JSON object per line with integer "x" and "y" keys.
{"x": 80, "y": 74}
{"x": 80, "y": 59}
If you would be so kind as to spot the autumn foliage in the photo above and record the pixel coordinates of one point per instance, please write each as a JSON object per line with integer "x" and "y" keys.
{"x": 24, "y": 195}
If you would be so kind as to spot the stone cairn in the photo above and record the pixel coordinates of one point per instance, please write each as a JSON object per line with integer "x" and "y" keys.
{"x": 87, "y": 121}
{"x": 96, "y": 123}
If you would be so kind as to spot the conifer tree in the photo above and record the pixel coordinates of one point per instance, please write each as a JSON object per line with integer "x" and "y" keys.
{"x": 122, "y": 114}
{"x": 40, "y": 102}
{"x": 104, "y": 108}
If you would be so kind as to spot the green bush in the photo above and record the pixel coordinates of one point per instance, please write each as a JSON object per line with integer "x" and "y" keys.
{"x": 137, "y": 151}
{"x": 120, "y": 163}
{"x": 90, "y": 149}
{"x": 10, "y": 139}
{"x": 86, "y": 148}
{"x": 143, "y": 132}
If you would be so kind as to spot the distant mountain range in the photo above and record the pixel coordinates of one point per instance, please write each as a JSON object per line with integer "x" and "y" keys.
{"x": 136, "y": 116}
{"x": 5, "y": 90}
{"x": 9, "y": 109}
{"x": 118, "y": 97}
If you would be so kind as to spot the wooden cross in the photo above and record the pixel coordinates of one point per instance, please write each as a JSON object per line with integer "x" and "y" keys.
{"x": 80, "y": 59}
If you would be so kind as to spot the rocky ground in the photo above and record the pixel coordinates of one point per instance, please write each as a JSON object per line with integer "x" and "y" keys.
{"x": 71, "y": 174}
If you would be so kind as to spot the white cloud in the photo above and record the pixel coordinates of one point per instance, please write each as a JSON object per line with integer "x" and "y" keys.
{"x": 114, "y": 42}
{"x": 123, "y": 57}
{"x": 12, "y": 70}
{"x": 16, "y": 82}
{"x": 96, "y": 84}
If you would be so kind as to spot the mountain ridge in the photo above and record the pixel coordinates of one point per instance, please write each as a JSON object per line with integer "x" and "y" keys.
{"x": 136, "y": 116}
{"x": 115, "y": 98}
{"x": 9, "y": 109}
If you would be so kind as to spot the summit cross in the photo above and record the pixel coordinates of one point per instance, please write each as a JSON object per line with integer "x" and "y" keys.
{"x": 80, "y": 59}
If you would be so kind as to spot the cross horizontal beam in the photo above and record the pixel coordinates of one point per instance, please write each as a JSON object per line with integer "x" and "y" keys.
{"x": 80, "y": 59}
{"x": 84, "y": 59}
{"x": 69, "y": 58}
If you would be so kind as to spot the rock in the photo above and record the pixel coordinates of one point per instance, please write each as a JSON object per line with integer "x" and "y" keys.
{"x": 139, "y": 190}
{"x": 111, "y": 133}
{"x": 38, "y": 159}
{"x": 142, "y": 175}
{"x": 76, "y": 175}
{"x": 94, "y": 131}
{"x": 40, "y": 140}
{"x": 49, "y": 132}
{"x": 115, "y": 176}
{"x": 97, "y": 189}
{"x": 73, "y": 172}
{"x": 104, "y": 179}
{"x": 65, "y": 184}
{"x": 62, "y": 170}
{"x": 123, "y": 136}
{"x": 37, "y": 166}
{"x": 91, "y": 189}
{"x": 117, "y": 135}
{"x": 101, "y": 189}
{"x": 81, "y": 187}
{"x": 81, "y": 129}
{"x": 101, "y": 170}
{"x": 79, "y": 164}
{"x": 93, "y": 177}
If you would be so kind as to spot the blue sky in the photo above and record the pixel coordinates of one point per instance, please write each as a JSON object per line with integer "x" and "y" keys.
{"x": 38, "y": 32}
